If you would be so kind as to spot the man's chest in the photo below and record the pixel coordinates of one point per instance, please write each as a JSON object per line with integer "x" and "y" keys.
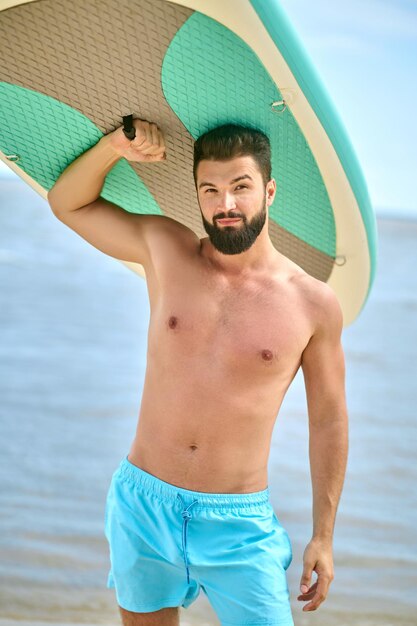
{"x": 238, "y": 329}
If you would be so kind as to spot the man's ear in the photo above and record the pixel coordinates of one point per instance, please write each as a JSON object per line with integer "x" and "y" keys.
{"x": 271, "y": 190}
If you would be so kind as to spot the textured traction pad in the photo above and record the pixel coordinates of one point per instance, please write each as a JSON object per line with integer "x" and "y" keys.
{"x": 71, "y": 70}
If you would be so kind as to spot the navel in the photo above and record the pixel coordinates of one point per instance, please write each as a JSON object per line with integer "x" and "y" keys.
{"x": 172, "y": 322}
{"x": 193, "y": 447}
{"x": 267, "y": 355}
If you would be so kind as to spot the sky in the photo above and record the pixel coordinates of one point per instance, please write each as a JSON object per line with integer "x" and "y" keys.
{"x": 365, "y": 52}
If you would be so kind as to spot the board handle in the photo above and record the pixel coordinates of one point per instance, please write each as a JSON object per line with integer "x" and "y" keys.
{"x": 128, "y": 128}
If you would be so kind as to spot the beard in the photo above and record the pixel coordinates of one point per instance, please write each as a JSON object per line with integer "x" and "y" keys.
{"x": 235, "y": 239}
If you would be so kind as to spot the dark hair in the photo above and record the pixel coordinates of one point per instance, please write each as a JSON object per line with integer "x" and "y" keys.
{"x": 232, "y": 140}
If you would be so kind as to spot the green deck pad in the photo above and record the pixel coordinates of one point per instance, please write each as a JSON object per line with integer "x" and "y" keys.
{"x": 211, "y": 77}
{"x": 52, "y": 144}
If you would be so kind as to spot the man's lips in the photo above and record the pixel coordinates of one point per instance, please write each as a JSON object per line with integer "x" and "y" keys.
{"x": 229, "y": 221}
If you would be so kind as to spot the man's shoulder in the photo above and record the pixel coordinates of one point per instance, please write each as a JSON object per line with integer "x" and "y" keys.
{"x": 169, "y": 235}
{"x": 320, "y": 299}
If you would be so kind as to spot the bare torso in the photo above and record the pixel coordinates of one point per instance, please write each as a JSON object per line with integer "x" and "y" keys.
{"x": 222, "y": 353}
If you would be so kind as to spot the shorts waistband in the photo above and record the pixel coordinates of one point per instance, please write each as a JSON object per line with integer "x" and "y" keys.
{"x": 167, "y": 491}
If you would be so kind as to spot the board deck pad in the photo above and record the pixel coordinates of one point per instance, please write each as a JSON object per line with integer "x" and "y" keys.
{"x": 72, "y": 87}
{"x": 71, "y": 70}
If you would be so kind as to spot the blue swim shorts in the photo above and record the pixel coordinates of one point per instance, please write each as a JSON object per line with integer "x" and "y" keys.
{"x": 166, "y": 543}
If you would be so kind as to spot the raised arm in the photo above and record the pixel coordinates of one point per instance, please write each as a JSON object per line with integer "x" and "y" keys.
{"x": 75, "y": 198}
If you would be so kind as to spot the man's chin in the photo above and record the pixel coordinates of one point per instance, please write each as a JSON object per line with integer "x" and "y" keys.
{"x": 230, "y": 247}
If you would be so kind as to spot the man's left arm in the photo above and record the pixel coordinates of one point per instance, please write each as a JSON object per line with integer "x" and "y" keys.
{"x": 323, "y": 368}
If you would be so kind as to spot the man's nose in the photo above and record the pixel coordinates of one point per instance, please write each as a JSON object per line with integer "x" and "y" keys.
{"x": 228, "y": 200}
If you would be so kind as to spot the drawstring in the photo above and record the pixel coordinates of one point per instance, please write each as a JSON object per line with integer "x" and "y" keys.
{"x": 186, "y": 516}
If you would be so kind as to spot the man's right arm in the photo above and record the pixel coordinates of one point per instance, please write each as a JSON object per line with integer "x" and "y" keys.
{"x": 75, "y": 200}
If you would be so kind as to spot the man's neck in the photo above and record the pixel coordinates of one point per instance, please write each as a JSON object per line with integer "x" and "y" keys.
{"x": 260, "y": 257}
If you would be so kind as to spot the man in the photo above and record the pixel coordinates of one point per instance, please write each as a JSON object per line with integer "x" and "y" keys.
{"x": 232, "y": 320}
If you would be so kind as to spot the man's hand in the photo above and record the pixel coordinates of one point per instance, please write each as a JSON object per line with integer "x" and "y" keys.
{"x": 318, "y": 557}
{"x": 147, "y": 146}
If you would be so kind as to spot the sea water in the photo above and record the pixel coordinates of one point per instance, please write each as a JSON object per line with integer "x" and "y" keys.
{"x": 73, "y": 339}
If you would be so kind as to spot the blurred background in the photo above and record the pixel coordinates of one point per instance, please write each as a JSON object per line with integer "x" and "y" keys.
{"x": 73, "y": 328}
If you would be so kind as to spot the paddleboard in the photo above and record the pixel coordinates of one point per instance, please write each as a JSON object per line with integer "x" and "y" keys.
{"x": 71, "y": 71}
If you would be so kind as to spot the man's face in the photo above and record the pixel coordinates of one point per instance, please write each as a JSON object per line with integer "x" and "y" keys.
{"x": 226, "y": 197}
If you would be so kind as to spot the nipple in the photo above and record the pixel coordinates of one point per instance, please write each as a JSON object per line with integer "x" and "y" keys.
{"x": 172, "y": 322}
{"x": 267, "y": 355}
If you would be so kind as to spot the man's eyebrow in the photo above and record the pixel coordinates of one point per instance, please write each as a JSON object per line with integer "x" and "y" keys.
{"x": 235, "y": 180}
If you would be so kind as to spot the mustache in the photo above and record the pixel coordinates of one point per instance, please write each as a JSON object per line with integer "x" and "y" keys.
{"x": 223, "y": 216}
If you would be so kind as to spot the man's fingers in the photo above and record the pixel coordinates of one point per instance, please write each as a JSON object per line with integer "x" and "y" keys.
{"x": 161, "y": 139}
{"x": 308, "y": 594}
{"x": 154, "y": 135}
{"x": 154, "y": 157}
{"x": 143, "y": 137}
{"x": 154, "y": 144}
{"x": 318, "y": 558}
{"x": 318, "y": 598}
{"x": 320, "y": 594}
{"x": 155, "y": 148}
{"x": 306, "y": 577}
{"x": 149, "y": 143}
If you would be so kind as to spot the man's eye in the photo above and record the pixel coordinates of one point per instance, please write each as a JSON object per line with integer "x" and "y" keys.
{"x": 244, "y": 187}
